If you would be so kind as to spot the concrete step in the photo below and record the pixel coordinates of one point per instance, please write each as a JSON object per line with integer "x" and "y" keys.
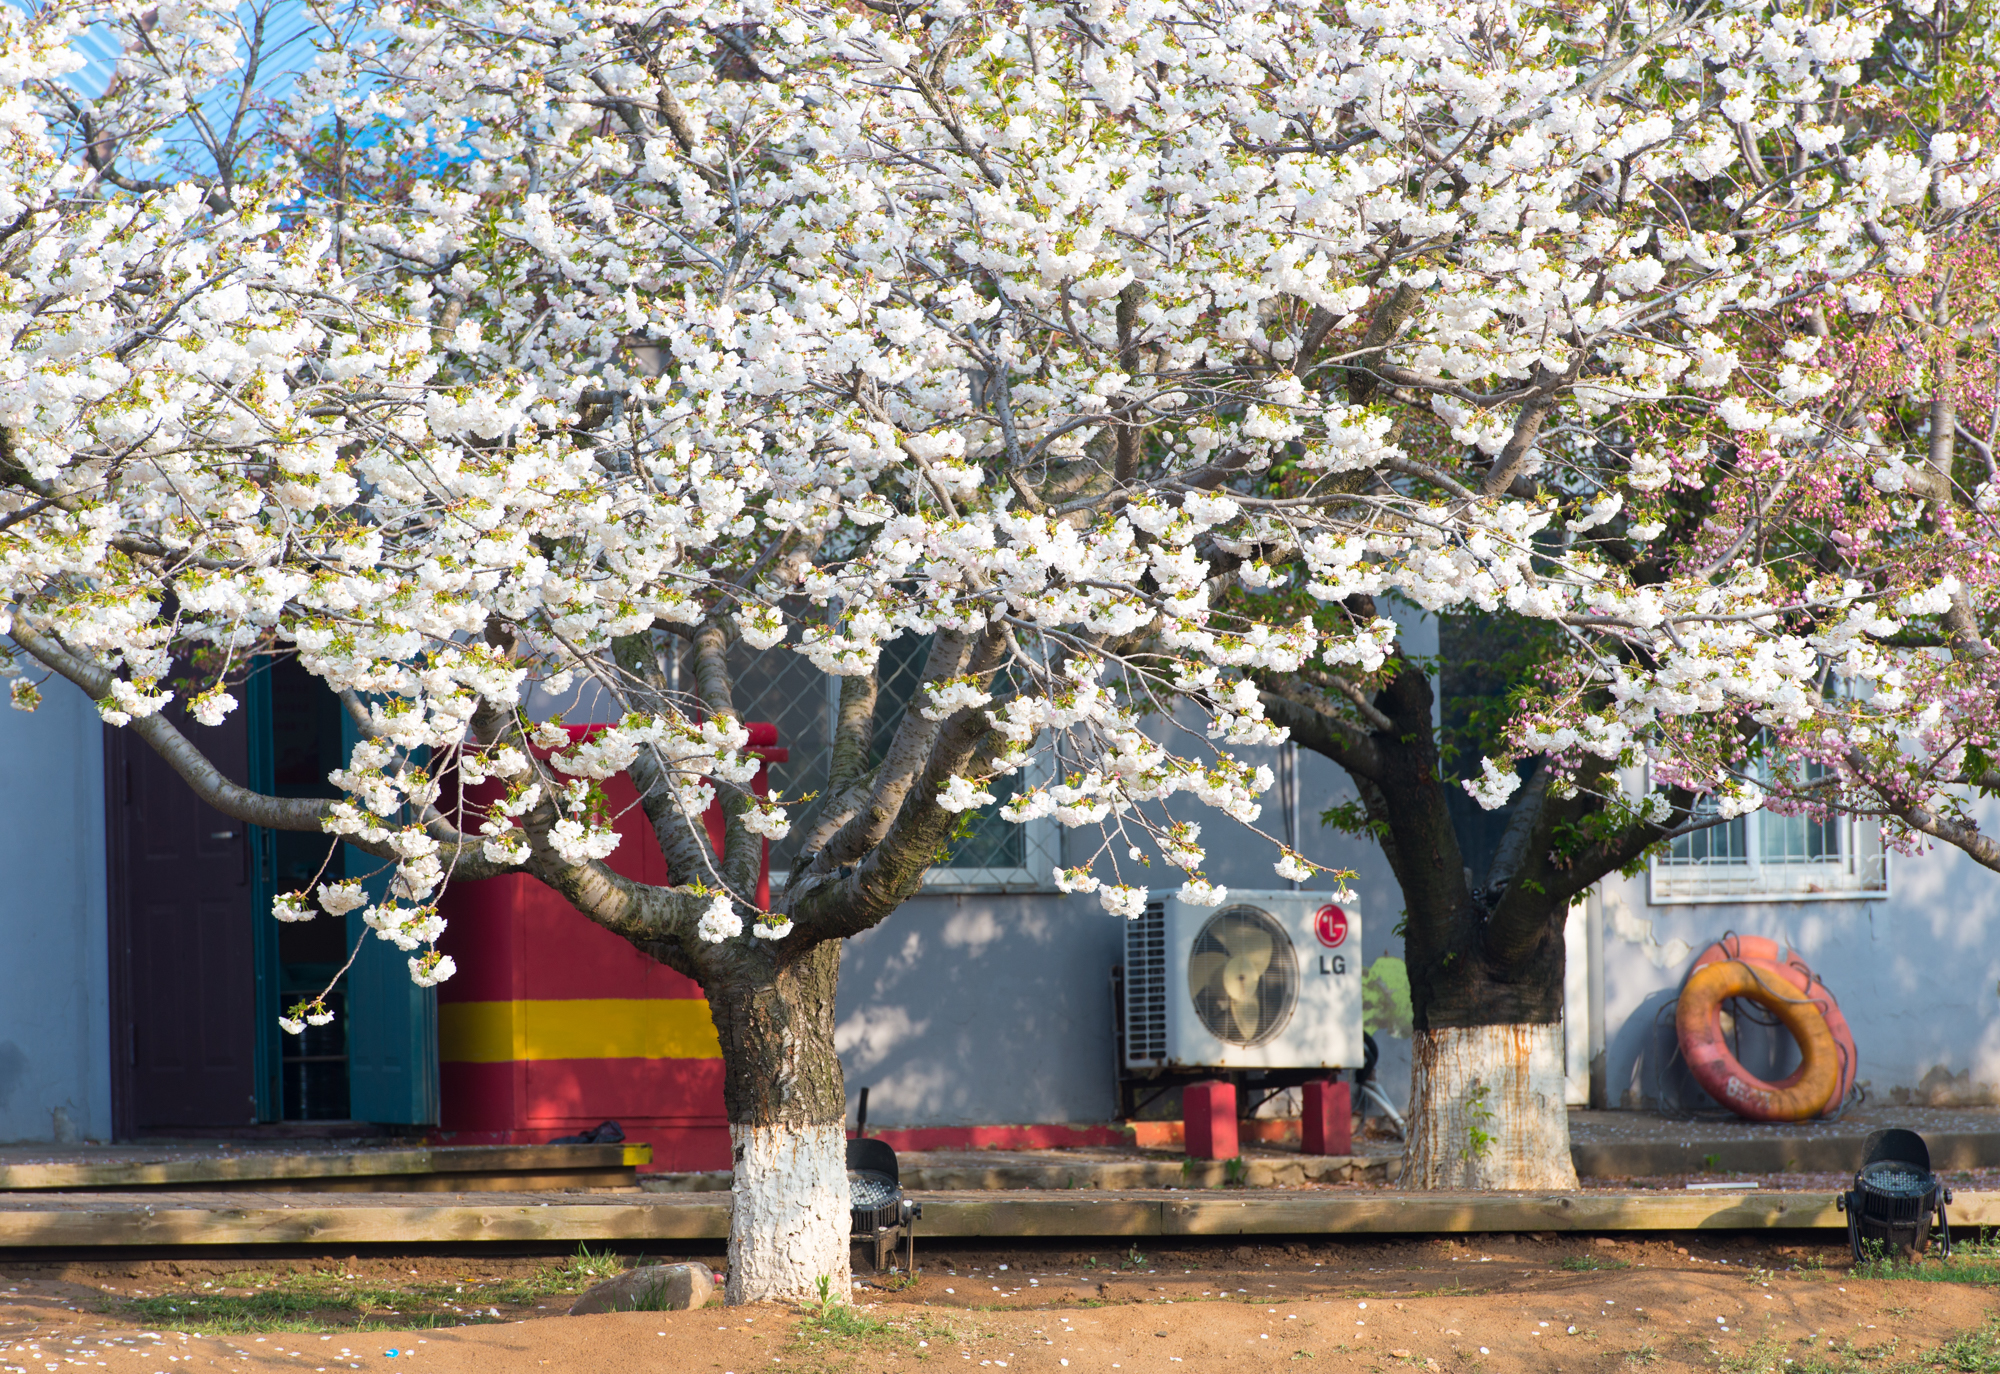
{"x": 968, "y": 1171}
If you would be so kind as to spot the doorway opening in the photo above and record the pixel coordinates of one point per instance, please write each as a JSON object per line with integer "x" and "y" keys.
{"x": 200, "y": 971}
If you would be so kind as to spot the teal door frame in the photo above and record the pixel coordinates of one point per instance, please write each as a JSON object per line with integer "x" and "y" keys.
{"x": 392, "y": 1063}
{"x": 392, "y": 1067}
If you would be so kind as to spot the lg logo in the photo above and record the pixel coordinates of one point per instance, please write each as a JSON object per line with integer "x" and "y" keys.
{"x": 1330, "y": 925}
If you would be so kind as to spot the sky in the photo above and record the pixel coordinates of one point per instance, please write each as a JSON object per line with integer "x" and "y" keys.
{"x": 287, "y": 52}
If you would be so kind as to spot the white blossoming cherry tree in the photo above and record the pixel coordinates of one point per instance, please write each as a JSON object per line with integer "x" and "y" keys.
{"x": 549, "y": 418}
{"x": 1792, "y": 555}
{"x": 1731, "y": 233}
{"x": 585, "y": 347}
{"x": 1483, "y": 944}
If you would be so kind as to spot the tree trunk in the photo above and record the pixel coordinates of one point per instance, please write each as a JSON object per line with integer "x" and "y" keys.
{"x": 1486, "y": 1059}
{"x": 1484, "y": 950}
{"x": 1487, "y": 1110}
{"x": 787, "y": 1107}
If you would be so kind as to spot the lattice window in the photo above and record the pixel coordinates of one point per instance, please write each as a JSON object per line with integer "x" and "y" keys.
{"x": 1767, "y": 855}
{"x": 786, "y": 690}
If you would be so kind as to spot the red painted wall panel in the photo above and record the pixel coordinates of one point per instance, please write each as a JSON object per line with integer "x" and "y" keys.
{"x": 515, "y": 940}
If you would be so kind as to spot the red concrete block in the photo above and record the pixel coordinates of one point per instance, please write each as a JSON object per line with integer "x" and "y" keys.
{"x": 1326, "y": 1125}
{"x": 1208, "y": 1111}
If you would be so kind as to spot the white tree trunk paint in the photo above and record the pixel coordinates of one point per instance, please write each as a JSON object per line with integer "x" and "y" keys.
{"x": 1486, "y": 1109}
{"x": 790, "y": 1220}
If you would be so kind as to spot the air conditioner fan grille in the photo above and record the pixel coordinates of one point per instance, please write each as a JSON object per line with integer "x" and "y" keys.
{"x": 1243, "y": 976}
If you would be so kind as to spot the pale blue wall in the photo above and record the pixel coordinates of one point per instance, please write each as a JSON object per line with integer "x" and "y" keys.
{"x": 55, "y": 1079}
{"x": 990, "y": 1009}
{"x": 981, "y": 1009}
{"x": 1917, "y": 972}
{"x": 995, "y": 1009}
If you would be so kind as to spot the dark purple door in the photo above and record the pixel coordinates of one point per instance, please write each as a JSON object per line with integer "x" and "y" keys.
{"x": 183, "y": 982}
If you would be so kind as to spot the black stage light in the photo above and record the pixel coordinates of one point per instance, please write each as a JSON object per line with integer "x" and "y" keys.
{"x": 1894, "y": 1197}
{"x": 882, "y": 1215}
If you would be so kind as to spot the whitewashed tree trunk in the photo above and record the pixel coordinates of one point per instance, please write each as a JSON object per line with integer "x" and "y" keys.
{"x": 1487, "y": 1109}
{"x": 787, "y": 1107}
{"x": 790, "y": 1223}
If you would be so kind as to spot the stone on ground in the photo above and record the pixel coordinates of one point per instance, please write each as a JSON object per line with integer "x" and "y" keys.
{"x": 652, "y": 1287}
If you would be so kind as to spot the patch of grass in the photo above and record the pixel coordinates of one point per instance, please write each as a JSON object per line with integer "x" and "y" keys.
{"x": 1584, "y": 1264}
{"x": 831, "y": 1327}
{"x": 316, "y": 1302}
{"x": 1645, "y": 1354}
{"x": 1974, "y": 1352}
{"x": 844, "y": 1323}
{"x": 330, "y": 1300}
{"x": 1766, "y": 1356}
{"x": 1133, "y": 1260}
{"x": 1971, "y": 1352}
{"x": 1972, "y": 1261}
{"x": 589, "y": 1264}
{"x": 1457, "y": 1288}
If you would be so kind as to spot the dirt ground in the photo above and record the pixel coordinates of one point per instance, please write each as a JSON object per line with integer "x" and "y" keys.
{"x": 1481, "y": 1305}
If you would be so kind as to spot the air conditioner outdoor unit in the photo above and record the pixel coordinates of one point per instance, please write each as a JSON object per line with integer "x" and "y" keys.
{"x": 1268, "y": 980}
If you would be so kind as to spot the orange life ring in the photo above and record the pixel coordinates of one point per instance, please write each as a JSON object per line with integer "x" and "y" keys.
{"x": 1698, "y": 1020}
{"x": 1755, "y": 949}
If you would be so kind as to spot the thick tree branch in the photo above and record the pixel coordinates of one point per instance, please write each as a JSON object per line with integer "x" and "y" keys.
{"x": 908, "y": 749}
{"x": 1318, "y": 724}
{"x": 853, "y": 727}
{"x": 638, "y": 911}
{"x": 1389, "y": 317}
{"x": 1926, "y": 820}
{"x": 682, "y": 838}
{"x": 460, "y": 853}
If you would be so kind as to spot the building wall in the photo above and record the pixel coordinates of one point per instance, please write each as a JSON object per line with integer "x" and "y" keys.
{"x": 981, "y": 1009}
{"x": 1917, "y": 974}
{"x": 55, "y": 1079}
{"x": 989, "y": 1008}
{"x": 995, "y": 1009}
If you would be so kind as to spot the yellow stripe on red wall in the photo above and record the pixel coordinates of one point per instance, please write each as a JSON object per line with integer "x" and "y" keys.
{"x": 576, "y": 1028}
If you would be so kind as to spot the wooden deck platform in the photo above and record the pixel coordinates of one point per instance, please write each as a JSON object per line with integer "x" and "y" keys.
{"x": 425, "y": 1169}
{"x": 159, "y": 1219}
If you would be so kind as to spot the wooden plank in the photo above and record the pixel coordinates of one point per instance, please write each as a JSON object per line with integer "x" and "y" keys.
{"x": 1109, "y": 1175}
{"x": 128, "y": 1222}
{"x": 1425, "y": 1213}
{"x": 1045, "y": 1214}
{"x": 557, "y": 1180}
{"x": 1973, "y": 1209}
{"x": 1833, "y": 1154}
{"x": 261, "y": 1168}
{"x": 221, "y": 1169}
{"x": 140, "y": 1220}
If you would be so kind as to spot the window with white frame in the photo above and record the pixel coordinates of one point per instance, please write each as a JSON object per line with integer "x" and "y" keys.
{"x": 1763, "y": 854}
{"x": 788, "y": 691}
